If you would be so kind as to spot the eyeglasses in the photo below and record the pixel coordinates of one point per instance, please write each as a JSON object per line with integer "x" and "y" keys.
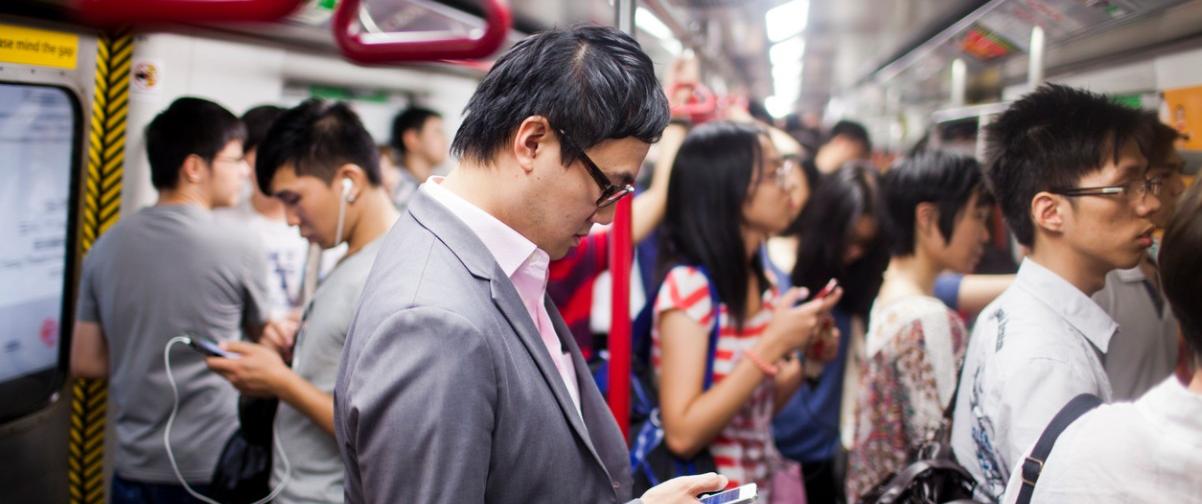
{"x": 784, "y": 168}
{"x": 610, "y": 192}
{"x": 1136, "y": 190}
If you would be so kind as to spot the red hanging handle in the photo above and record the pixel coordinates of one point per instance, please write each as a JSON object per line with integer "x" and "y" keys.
{"x": 701, "y": 106}
{"x": 115, "y": 12}
{"x": 396, "y": 47}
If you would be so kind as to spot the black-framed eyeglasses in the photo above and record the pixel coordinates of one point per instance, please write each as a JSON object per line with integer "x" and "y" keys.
{"x": 610, "y": 192}
{"x": 1135, "y": 190}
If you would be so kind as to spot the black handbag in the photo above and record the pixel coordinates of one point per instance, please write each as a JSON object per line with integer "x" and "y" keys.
{"x": 243, "y": 473}
{"x": 934, "y": 476}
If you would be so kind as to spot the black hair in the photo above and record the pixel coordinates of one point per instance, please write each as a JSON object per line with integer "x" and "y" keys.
{"x": 851, "y": 130}
{"x": 1180, "y": 269}
{"x": 1051, "y": 138}
{"x": 316, "y": 138}
{"x": 714, "y": 168}
{"x": 188, "y": 126}
{"x": 258, "y": 121}
{"x": 1157, "y": 140}
{"x": 945, "y": 179}
{"x": 842, "y": 198}
{"x": 412, "y": 118}
{"x": 594, "y": 82}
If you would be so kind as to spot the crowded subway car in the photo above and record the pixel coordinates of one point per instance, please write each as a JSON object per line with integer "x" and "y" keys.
{"x": 657, "y": 251}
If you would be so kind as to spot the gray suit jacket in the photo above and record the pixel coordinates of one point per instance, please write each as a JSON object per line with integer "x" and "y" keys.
{"x": 446, "y": 393}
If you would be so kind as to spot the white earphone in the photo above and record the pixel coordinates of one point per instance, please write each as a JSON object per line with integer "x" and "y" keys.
{"x": 347, "y": 185}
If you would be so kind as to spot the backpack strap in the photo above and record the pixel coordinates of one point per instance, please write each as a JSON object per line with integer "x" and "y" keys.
{"x": 712, "y": 349}
{"x": 1033, "y": 465}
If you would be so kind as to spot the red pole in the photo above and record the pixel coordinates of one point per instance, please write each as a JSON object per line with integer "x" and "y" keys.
{"x": 621, "y": 256}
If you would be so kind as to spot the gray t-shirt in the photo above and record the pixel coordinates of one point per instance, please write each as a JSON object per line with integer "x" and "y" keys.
{"x": 317, "y": 472}
{"x": 159, "y": 273}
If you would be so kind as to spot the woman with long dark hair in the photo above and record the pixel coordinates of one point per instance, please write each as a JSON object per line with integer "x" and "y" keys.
{"x": 839, "y": 238}
{"x": 728, "y": 193}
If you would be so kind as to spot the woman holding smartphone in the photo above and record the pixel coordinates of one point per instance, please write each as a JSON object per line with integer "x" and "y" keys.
{"x": 728, "y": 193}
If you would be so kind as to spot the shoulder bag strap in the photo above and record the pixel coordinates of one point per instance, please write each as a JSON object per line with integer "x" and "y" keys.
{"x": 1033, "y": 465}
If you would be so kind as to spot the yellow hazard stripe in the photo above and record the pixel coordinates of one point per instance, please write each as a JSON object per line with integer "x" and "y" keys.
{"x": 100, "y": 210}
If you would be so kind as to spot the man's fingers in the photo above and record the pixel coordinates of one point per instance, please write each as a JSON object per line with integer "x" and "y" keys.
{"x": 704, "y": 483}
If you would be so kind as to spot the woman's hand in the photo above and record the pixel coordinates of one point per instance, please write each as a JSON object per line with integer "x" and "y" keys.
{"x": 792, "y": 327}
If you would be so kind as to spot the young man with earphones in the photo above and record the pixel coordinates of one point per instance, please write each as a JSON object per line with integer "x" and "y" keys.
{"x": 322, "y": 164}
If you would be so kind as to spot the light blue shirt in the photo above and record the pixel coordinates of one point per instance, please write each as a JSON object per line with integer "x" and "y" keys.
{"x": 1041, "y": 343}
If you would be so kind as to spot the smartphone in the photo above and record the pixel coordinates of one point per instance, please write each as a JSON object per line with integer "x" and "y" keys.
{"x": 827, "y": 289}
{"x": 741, "y": 495}
{"x": 208, "y": 348}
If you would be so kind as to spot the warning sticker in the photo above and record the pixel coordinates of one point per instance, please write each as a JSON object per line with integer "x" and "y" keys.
{"x": 30, "y": 46}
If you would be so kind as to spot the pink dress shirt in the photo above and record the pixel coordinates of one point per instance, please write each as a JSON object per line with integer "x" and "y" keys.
{"x": 523, "y": 262}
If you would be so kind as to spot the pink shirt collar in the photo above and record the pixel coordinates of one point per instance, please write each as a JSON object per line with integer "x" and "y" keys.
{"x": 508, "y": 247}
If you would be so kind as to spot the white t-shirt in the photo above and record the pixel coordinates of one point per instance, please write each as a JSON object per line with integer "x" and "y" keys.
{"x": 1037, "y": 346}
{"x": 1149, "y": 451}
{"x": 284, "y": 252}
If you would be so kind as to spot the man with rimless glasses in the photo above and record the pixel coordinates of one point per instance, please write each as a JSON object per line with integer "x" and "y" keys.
{"x": 1071, "y": 175}
{"x": 459, "y": 381}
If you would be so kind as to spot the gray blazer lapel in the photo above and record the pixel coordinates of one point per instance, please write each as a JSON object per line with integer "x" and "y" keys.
{"x": 505, "y": 296}
{"x": 606, "y": 440}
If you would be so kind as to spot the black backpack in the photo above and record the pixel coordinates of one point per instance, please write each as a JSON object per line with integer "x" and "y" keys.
{"x": 934, "y": 476}
{"x": 1033, "y": 464}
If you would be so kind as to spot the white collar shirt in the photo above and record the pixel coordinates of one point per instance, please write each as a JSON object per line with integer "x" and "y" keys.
{"x": 1149, "y": 451}
{"x": 1041, "y": 343}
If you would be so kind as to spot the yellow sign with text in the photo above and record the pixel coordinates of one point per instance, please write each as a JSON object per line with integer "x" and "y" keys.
{"x": 29, "y": 46}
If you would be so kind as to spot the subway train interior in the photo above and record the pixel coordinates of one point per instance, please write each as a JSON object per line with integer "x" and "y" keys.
{"x": 840, "y": 251}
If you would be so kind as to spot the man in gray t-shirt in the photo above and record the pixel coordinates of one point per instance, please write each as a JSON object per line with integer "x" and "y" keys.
{"x": 168, "y": 270}
{"x": 320, "y": 161}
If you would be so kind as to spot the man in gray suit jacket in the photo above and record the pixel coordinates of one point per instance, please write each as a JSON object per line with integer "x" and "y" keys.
{"x": 459, "y": 381}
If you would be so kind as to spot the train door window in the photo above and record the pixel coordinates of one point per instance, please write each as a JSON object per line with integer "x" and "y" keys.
{"x": 40, "y": 139}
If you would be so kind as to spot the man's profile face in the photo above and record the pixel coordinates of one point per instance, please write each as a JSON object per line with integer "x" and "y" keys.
{"x": 309, "y": 203}
{"x": 228, "y": 172}
{"x": 1113, "y": 231}
{"x": 565, "y": 208}
{"x": 432, "y": 140}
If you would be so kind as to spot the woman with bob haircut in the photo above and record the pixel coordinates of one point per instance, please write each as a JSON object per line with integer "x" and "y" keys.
{"x": 937, "y": 210}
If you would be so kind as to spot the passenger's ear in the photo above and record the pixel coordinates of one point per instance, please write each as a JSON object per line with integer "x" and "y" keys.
{"x": 193, "y": 170}
{"x": 1047, "y": 211}
{"x": 530, "y": 141}
{"x": 355, "y": 174}
{"x": 926, "y": 219}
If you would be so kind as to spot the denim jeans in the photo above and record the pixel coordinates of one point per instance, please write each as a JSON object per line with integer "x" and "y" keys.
{"x": 137, "y": 492}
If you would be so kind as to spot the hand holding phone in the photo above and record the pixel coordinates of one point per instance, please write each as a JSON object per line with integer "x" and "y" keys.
{"x": 209, "y": 348}
{"x": 741, "y": 495}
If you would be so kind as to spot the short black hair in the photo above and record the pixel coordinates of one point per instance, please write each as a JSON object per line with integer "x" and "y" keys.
{"x": 715, "y": 167}
{"x": 851, "y": 130}
{"x": 412, "y": 118}
{"x": 1051, "y": 138}
{"x": 1157, "y": 139}
{"x": 188, "y": 126}
{"x": 594, "y": 82}
{"x": 258, "y": 121}
{"x": 945, "y": 179}
{"x": 1180, "y": 269}
{"x": 841, "y": 199}
{"x": 317, "y": 137}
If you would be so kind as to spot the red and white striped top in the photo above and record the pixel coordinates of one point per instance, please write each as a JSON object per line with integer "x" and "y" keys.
{"x": 743, "y": 451}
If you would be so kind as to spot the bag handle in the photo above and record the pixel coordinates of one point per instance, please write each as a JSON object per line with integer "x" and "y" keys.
{"x": 1033, "y": 465}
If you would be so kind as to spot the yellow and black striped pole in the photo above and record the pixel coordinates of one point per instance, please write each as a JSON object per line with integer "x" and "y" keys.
{"x": 101, "y": 209}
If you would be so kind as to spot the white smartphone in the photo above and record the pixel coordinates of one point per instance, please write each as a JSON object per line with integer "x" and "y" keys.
{"x": 741, "y": 495}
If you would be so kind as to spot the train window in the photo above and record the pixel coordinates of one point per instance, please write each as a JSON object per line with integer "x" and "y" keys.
{"x": 40, "y": 138}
